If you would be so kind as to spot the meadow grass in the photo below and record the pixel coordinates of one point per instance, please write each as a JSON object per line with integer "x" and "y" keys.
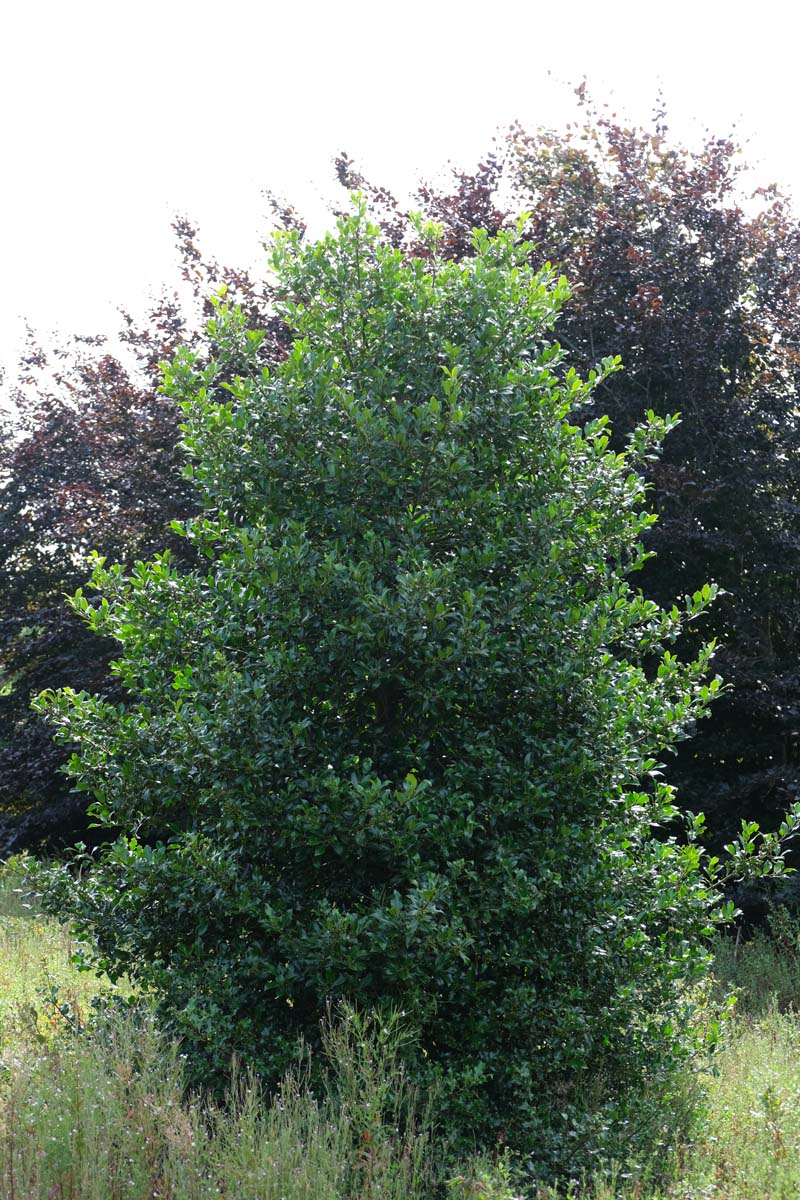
{"x": 93, "y": 1104}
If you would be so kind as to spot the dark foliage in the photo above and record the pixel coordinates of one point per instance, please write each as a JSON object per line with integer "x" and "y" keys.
{"x": 702, "y": 301}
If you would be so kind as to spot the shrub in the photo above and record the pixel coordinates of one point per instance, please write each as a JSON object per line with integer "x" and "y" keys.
{"x": 398, "y": 742}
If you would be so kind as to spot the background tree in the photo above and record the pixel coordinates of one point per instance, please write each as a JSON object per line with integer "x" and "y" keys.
{"x": 395, "y": 740}
{"x": 90, "y": 462}
{"x": 702, "y": 301}
{"x": 700, "y": 297}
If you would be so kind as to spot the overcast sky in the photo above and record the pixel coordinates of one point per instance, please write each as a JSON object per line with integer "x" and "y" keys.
{"x": 116, "y": 115}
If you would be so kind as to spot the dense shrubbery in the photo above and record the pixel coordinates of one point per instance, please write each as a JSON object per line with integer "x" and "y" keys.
{"x": 398, "y": 741}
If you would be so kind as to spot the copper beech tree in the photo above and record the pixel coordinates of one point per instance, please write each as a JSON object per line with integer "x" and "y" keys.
{"x": 89, "y": 461}
{"x": 696, "y": 286}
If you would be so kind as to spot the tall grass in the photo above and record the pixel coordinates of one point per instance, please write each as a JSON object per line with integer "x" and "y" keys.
{"x": 35, "y": 956}
{"x": 106, "y": 1118}
{"x": 765, "y": 968}
{"x": 93, "y": 1104}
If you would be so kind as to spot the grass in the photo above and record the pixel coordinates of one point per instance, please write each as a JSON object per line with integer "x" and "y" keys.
{"x": 93, "y": 1104}
{"x": 108, "y": 1120}
{"x": 765, "y": 969}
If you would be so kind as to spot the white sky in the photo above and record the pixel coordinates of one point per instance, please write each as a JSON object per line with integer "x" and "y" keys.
{"x": 115, "y": 115}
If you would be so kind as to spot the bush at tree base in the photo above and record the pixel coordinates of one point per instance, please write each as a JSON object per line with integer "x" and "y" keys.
{"x": 397, "y": 743}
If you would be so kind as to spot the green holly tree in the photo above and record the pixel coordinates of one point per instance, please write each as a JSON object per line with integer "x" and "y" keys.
{"x": 397, "y": 742}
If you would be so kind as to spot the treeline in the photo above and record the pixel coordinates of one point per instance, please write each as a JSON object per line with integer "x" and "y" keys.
{"x": 668, "y": 269}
